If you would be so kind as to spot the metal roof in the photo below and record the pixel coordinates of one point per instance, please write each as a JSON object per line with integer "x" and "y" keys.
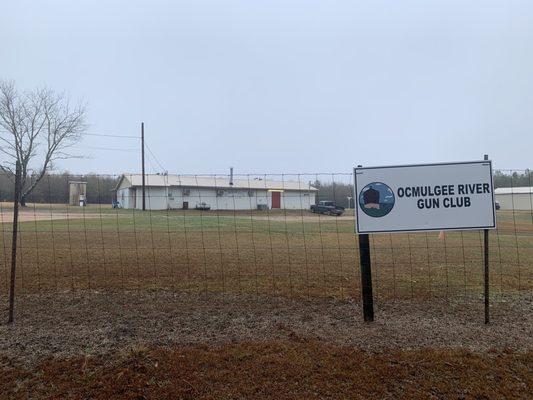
{"x": 217, "y": 182}
{"x": 514, "y": 190}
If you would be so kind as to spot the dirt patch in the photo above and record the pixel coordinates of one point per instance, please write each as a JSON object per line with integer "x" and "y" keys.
{"x": 303, "y": 216}
{"x": 29, "y": 216}
{"x": 65, "y": 325}
{"x": 307, "y": 217}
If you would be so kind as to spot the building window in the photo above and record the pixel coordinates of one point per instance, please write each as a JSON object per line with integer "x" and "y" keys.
{"x": 186, "y": 192}
{"x": 220, "y": 193}
{"x": 250, "y": 193}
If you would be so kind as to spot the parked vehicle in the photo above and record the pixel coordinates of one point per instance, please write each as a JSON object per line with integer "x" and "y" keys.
{"x": 327, "y": 207}
{"x": 203, "y": 206}
{"x": 496, "y": 205}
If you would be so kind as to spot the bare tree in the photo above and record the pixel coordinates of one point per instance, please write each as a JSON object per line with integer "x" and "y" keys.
{"x": 37, "y": 128}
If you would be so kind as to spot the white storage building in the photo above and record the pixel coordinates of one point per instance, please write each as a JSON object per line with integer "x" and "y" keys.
{"x": 219, "y": 193}
{"x": 517, "y": 198}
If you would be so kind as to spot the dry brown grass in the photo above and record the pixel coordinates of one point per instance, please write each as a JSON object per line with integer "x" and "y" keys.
{"x": 69, "y": 324}
{"x": 246, "y": 254}
{"x": 295, "y": 369}
{"x": 326, "y": 266}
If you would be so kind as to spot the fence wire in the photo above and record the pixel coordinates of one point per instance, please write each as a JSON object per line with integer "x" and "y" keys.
{"x": 247, "y": 234}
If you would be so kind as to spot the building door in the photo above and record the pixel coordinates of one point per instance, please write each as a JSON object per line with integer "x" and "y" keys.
{"x": 133, "y": 198}
{"x": 185, "y": 205}
{"x": 276, "y": 199}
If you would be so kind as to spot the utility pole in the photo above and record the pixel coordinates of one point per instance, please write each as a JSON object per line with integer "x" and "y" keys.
{"x": 143, "y": 174}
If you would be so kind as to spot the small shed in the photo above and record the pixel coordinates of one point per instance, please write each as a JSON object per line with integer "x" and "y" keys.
{"x": 516, "y": 198}
{"x": 77, "y": 193}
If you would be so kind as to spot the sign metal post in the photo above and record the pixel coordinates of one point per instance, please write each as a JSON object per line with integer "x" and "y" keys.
{"x": 366, "y": 275}
{"x": 486, "y": 260}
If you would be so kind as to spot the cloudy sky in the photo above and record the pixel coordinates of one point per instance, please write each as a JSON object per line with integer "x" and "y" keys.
{"x": 283, "y": 86}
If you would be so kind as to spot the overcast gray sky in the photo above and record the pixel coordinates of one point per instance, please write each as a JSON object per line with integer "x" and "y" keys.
{"x": 283, "y": 86}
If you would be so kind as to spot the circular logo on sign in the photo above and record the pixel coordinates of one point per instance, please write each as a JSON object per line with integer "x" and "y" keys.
{"x": 376, "y": 199}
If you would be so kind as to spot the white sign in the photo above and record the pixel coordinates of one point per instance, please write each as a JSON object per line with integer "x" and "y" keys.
{"x": 424, "y": 197}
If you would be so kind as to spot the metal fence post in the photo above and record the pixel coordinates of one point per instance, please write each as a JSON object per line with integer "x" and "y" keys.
{"x": 14, "y": 243}
{"x": 486, "y": 260}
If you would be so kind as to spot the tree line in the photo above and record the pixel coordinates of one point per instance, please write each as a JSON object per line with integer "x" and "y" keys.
{"x": 342, "y": 193}
{"x": 513, "y": 178}
{"x": 54, "y": 188}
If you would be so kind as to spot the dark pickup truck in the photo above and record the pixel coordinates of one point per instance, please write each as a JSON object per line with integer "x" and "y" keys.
{"x": 327, "y": 207}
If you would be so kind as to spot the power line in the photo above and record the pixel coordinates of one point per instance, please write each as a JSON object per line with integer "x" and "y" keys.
{"x": 150, "y": 164}
{"x": 105, "y": 148}
{"x": 111, "y": 135}
{"x": 155, "y": 158}
{"x": 151, "y": 161}
{"x": 151, "y": 153}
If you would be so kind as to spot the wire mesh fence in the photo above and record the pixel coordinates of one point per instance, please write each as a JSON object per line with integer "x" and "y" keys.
{"x": 252, "y": 234}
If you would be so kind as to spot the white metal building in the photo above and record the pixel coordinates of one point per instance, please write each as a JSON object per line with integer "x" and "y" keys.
{"x": 219, "y": 193}
{"x": 517, "y": 198}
